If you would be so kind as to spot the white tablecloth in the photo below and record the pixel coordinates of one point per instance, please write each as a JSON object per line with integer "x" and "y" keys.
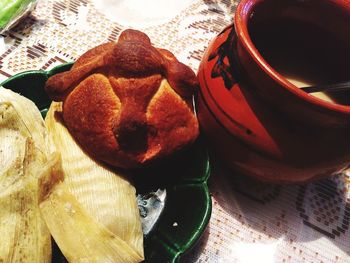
{"x": 251, "y": 221}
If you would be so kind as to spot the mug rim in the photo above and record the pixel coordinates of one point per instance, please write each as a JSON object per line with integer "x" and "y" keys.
{"x": 241, "y": 19}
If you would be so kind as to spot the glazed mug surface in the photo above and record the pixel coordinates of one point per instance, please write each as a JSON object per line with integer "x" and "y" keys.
{"x": 250, "y": 105}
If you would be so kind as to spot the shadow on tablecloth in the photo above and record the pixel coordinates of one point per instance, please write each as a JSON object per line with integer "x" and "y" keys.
{"x": 305, "y": 221}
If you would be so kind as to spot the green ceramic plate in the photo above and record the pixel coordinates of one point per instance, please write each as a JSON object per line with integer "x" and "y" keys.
{"x": 188, "y": 204}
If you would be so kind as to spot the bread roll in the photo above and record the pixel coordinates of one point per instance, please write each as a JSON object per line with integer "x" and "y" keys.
{"x": 128, "y": 103}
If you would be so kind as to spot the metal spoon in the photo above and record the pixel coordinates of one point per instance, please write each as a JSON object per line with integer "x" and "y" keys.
{"x": 341, "y": 86}
{"x": 151, "y": 206}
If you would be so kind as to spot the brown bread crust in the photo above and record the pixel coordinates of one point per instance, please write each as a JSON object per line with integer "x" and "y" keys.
{"x": 128, "y": 103}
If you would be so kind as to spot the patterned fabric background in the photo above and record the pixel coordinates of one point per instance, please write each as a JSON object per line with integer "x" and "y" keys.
{"x": 251, "y": 221}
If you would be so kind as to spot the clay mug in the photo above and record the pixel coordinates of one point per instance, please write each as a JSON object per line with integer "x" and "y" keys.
{"x": 250, "y": 104}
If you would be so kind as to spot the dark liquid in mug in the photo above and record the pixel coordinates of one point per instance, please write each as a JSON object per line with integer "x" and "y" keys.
{"x": 304, "y": 54}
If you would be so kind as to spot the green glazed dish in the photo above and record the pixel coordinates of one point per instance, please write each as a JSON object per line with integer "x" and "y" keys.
{"x": 188, "y": 204}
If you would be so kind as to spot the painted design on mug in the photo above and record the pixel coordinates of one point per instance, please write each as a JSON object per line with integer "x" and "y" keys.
{"x": 226, "y": 50}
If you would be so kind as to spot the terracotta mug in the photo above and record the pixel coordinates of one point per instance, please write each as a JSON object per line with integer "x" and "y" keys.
{"x": 249, "y": 105}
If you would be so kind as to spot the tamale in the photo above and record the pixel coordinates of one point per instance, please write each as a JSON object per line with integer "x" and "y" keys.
{"x": 92, "y": 213}
{"x": 80, "y": 237}
{"x": 23, "y": 149}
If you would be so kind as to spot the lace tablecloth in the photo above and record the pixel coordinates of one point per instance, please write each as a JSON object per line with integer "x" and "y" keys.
{"x": 251, "y": 221}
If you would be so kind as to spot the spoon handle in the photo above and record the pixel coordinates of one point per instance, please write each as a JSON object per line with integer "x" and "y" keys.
{"x": 341, "y": 86}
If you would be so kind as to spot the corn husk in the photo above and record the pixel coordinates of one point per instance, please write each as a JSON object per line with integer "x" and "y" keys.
{"x": 92, "y": 213}
{"x": 79, "y": 236}
{"x": 23, "y": 149}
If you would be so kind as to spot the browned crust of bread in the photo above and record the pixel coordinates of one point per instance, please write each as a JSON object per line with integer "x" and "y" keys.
{"x": 128, "y": 103}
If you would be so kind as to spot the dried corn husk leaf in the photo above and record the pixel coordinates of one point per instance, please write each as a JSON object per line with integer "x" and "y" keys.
{"x": 23, "y": 148}
{"x": 79, "y": 236}
{"x": 104, "y": 204}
